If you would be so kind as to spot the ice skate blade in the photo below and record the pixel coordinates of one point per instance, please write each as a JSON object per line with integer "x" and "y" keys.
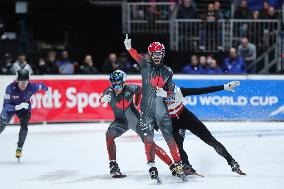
{"x": 120, "y": 175}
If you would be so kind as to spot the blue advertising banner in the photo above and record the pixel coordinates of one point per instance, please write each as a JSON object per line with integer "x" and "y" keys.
{"x": 256, "y": 99}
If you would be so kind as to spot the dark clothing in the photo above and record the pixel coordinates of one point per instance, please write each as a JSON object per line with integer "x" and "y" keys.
{"x": 187, "y": 13}
{"x": 214, "y": 14}
{"x": 109, "y": 68}
{"x": 122, "y": 105}
{"x": 5, "y": 69}
{"x": 1, "y": 27}
{"x": 46, "y": 68}
{"x": 24, "y": 117}
{"x": 186, "y": 120}
{"x": 234, "y": 65}
{"x": 14, "y": 96}
{"x": 127, "y": 117}
{"x": 216, "y": 70}
{"x": 189, "y": 69}
{"x": 88, "y": 69}
{"x": 242, "y": 13}
{"x": 153, "y": 108}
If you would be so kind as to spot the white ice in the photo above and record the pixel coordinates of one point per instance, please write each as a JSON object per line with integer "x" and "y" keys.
{"x": 74, "y": 156}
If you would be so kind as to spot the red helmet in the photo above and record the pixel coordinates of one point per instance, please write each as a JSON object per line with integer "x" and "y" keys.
{"x": 156, "y": 47}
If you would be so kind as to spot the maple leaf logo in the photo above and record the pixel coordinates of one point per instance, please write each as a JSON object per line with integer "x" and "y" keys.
{"x": 157, "y": 81}
{"x": 123, "y": 104}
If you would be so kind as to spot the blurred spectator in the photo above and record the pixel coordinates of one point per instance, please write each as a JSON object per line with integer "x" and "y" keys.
{"x": 47, "y": 66}
{"x": 186, "y": 10}
{"x": 50, "y": 62}
{"x": 127, "y": 66}
{"x": 21, "y": 63}
{"x": 5, "y": 67}
{"x": 264, "y": 11}
{"x": 111, "y": 64}
{"x": 88, "y": 66}
{"x": 271, "y": 14}
{"x": 211, "y": 14}
{"x": 64, "y": 65}
{"x": 242, "y": 11}
{"x": 211, "y": 33}
{"x": 193, "y": 67}
{"x": 255, "y": 15}
{"x": 214, "y": 68}
{"x": 1, "y": 27}
{"x": 248, "y": 52}
{"x": 234, "y": 64}
{"x": 203, "y": 63}
{"x": 217, "y": 8}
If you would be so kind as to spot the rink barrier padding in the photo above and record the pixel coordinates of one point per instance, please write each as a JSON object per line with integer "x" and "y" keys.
{"x": 75, "y": 98}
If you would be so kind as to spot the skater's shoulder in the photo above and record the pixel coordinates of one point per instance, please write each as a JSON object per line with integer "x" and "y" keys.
{"x": 108, "y": 90}
{"x": 132, "y": 87}
{"x": 12, "y": 86}
{"x": 168, "y": 69}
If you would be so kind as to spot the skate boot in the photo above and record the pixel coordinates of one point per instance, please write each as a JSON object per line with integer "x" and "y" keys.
{"x": 173, "y": 169}
{"x": 188, "y": 170}
{"x": 115, "y": 170}
{"x": 154, "y": 172}
{"x": 180, "y": 172}
{"x": 236, "y": 168}
{"x": 18, "y": 153}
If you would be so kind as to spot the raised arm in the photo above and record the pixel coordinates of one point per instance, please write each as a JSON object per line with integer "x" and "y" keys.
{"x": 139, "y": 59}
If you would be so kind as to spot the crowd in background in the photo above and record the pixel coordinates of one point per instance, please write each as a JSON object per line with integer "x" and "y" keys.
{"x": 60, "y": 63}
{"x": 239, "y": 61}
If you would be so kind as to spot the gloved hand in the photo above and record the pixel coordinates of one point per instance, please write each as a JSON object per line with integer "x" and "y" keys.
{"x": 127, "y": 42}
{"x": 231, "y": 85}
{"x": 106, "y": 98}
{"x": 161, "y": 92}
{"x": 23, "y": 105}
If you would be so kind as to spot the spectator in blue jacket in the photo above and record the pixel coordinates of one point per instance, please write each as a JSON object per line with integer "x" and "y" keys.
{"x": 234, "y": 64}
{"x": 214, "y": 68}
{"x": 64, "y": 65}
{"x": 193, "y": 67}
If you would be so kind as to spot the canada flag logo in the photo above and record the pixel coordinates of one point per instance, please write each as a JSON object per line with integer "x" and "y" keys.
{"x": 123, "y": 104}
{"x": 157, "y": 81}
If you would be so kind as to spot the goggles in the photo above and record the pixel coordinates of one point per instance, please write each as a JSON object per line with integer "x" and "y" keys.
{"x": 117, "y": 86}
{"x": 157, "y": 55}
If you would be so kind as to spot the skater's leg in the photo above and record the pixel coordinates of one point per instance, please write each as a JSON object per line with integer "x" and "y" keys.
{"x": 5, "y": 118}
{"x": 115, "y": 130}
{"x": 201, "y": 131}
{"x": 165, "y": 124}
{"x": 24, "y": 116}
{"x": 179, "y": 135}
{"x": 158, "y": 150}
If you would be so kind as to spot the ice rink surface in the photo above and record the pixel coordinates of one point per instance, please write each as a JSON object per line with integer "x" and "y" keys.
{"x": 74, "y": 156}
